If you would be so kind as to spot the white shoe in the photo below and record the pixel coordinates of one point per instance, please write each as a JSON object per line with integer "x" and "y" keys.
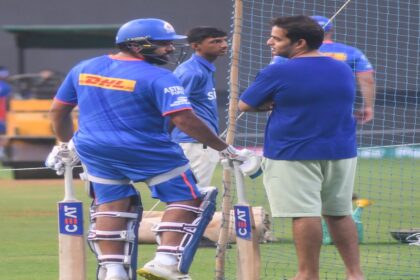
{"x": 157, "y": 271}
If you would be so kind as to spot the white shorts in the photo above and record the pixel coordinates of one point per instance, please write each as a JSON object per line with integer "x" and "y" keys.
{"x": 203, "y": 161}
{"x": 309, "y": 188}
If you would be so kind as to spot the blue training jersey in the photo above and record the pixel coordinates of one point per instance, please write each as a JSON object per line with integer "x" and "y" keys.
{"x": 122, "y": 108}
{"x": 350, "y": 55}
{"x": 196, "y": 76}
{"x": 312, "y": 117}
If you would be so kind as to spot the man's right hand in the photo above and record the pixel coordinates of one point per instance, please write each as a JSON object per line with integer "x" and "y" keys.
{"x": 62, "y": 154}
{"x": 234, "y": 154}
{"x": 364, "y": 115}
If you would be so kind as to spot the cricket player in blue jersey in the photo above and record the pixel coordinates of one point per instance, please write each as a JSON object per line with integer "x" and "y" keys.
{"x": 310, "y": 142}
{"x": 124, "y": 103}
{"x": 358, "y": 62}
{"x": 197, "y": 76}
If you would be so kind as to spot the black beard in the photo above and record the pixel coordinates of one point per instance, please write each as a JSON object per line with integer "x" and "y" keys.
{"x": 154, "y": 59}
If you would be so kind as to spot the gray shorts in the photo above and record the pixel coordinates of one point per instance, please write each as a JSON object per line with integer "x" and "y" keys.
{"x": 309, "y": 188}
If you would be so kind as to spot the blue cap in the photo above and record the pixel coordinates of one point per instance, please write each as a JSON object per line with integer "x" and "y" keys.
{"x": 322, "y": 21}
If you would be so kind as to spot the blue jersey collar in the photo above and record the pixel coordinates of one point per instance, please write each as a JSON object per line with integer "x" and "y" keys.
{"x": 204, "y": 62}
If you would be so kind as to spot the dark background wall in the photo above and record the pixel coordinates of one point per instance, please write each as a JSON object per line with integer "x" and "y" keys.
{"x": 387, "y": 31}
{"x": 183, "y": 14}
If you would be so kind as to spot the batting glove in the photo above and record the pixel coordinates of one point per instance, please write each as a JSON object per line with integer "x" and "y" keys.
{"x": 234, "y": 154}
{"x": 62, "y": 154}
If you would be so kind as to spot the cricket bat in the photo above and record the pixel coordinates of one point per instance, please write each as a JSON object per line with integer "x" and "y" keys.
{"x": 248, "y": 251}
{"x": 71, "y": 241}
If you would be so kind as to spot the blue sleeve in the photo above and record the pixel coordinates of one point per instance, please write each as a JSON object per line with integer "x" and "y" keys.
{"x": 67, "y": 92}
{"x": 361, "y": 62}
{"x": 261, "y": 90}
{"x": 168, "y": 95}
{"x": 4, "y": 89}
{"x": 190, "y": 80}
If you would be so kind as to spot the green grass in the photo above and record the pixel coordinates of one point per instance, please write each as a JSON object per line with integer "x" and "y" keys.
{"x": 28, "y": 236}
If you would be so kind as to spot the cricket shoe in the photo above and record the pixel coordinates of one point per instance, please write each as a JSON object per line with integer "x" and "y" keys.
{"x": 157, "y": 271}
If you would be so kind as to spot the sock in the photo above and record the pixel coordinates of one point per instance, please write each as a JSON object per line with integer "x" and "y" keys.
{"x": 116, "y": 269}
{"x": 166, "y": 259}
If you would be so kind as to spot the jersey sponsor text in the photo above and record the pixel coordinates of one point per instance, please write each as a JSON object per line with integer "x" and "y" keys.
{"x": 106, "y": 82}
{"x": 175, "y": 90}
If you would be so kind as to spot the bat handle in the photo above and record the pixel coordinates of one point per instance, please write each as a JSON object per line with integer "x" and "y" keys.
{"x": 68, "y": 182}
{"x": 240, "y": 186}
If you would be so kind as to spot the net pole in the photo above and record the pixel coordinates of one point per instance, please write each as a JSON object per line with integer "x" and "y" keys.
{"x": 230, "y": 136}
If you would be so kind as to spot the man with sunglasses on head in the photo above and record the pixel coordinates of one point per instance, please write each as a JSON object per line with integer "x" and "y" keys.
{"x": 124, "y": 103}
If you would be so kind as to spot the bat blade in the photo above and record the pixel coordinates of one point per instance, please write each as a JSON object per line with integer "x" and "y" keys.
{"x": 248, "y": 250}
{"x": 248, "y": 254}
{"x": 71, "y": 240}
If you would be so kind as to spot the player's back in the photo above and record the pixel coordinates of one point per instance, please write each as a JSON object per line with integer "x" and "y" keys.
{"x": 116, "y": 99}
{"x": 122, "y": 104}
{"x": 348, "y": 54}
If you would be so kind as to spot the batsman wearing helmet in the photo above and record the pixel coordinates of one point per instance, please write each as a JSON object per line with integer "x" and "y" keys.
{"x": 124, "y": 103}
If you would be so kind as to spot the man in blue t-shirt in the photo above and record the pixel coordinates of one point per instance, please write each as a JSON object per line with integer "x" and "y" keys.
{"x": 197, "y": 76}
{"x": 124, "y": 104}
{"x": 310, "y": 142}
{"x": 358, "y": 62}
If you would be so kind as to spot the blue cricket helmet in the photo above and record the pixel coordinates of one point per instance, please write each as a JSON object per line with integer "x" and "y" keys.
{"x": 322, "y": 21}
{"x": 147, "y": 29}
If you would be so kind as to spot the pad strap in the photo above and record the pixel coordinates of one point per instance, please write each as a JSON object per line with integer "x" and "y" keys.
{"x": 193, "y": 209}
{"x": 106, "y": 259}
{"x": 175, "y": 227}
{"x": 114, "y": 214}
{"x": 117, "y": 235}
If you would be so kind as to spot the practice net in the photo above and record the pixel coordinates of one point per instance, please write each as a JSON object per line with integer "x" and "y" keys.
{"x": 388, "y": 172}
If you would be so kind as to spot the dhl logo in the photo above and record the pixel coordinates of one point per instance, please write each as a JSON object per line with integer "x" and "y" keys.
{"x": 106, "y": 82}
{"x": 338, "y": 56}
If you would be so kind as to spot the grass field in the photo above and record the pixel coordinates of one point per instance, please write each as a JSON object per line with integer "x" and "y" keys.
{"x": 28, "y": 236}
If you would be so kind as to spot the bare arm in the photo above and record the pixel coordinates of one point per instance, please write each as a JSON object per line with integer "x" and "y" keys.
{"x": 188, "y": 122}
{"x": 244, "y": 107}
{"x": 366, "y": 83}
{"x": 60, "y": 116}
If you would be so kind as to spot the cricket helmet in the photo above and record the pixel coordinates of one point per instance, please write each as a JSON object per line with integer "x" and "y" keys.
{"x": 147, "y": 29}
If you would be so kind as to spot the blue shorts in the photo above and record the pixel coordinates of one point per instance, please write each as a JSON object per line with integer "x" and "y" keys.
{"x": 105, "y": 193}
{"x": 180, "y": 188}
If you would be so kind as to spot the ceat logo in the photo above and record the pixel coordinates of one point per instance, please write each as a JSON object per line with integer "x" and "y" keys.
{"x": 106, "y": 82}
{"x": 70, "y": 218}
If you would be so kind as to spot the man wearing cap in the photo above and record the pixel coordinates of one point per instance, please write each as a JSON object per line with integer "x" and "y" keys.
{"x": 358, "y": 62}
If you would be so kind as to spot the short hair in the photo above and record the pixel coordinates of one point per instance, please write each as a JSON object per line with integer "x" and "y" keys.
{"x": 200, "y": 33}
{"x": 301, "y": 27}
